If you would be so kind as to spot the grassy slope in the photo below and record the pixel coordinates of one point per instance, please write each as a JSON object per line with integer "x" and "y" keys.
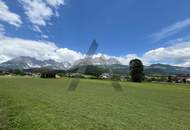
{"x": 41, "y": 104}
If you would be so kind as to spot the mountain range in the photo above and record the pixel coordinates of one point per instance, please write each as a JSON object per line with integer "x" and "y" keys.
{"x": 24, "y": 63}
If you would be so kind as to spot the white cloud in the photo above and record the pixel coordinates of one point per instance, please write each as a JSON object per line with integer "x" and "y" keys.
{"x": 65, "y": 54}
{"x": 126, "y": 59}
{"x": 55, "y": 3}
{"x": 171, "y": 30}
{"x": 7, "y": 16}
{"x": 39, "y": 12}
{"x": 2, "y": 30}
{"x": 45, "y": 36}
{"x": 38, "y": 49}
{"x": 177, "y": 54}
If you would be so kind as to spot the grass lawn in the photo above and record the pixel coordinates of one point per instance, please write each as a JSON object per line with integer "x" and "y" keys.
{"x": 45, "y": 104}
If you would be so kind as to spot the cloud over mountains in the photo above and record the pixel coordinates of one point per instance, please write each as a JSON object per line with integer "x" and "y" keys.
{"x": 42, "y": 50}
{"x": 178, "y": 54}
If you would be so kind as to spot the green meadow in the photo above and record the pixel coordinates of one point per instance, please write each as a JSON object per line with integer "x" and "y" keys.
{"x": 45, "y": 104}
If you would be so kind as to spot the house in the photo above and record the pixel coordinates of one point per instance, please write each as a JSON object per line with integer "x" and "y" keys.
{"x": 6, "y": 73}
{"x": 180, "y": 79}
{"x": 105, "y": 76}
{"x": 36, "y": 75}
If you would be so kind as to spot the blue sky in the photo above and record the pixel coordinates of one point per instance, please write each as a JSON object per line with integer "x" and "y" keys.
{"x": 155, "y": 31}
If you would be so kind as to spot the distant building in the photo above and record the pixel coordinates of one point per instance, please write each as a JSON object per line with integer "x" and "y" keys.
{"x": 36, "y": 75}
{"x": 180, "y": 79}
{"x": 6, "y": 73}
{"x": 105, "y": 76}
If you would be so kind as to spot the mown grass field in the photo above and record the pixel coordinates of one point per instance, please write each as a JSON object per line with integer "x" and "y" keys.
{"x": 45, "y": 104}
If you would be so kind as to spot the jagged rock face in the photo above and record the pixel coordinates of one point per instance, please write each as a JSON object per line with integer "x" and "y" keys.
{"x": 97, "y": 61}
{"x": 24, "y": 62}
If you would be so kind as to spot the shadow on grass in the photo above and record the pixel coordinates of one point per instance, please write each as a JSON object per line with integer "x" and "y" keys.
{"x": 117, "y": 86}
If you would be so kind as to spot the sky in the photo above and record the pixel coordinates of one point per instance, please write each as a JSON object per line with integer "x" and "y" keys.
{"x": 62, "y": 30}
